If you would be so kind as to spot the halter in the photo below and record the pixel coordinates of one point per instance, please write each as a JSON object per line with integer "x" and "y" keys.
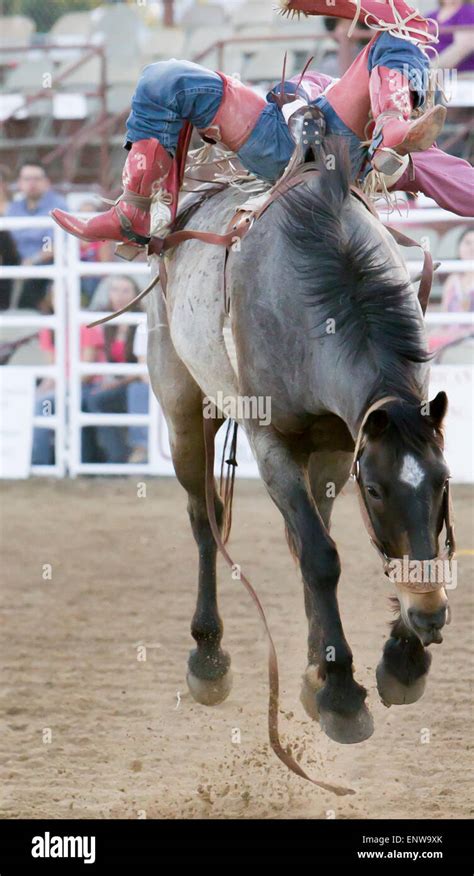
{"x": 449, "y": 545}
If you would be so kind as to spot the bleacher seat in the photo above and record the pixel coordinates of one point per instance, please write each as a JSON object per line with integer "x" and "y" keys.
{"x": 310, "y": 25}
{"x": 16, "y": 30}
{"x": 74, "y": 27}
{"x": 256, "y": 13}
{"x": 266, "y": 65}
{"x": 27, "y": 77}
{"x": 203, "y": 38}
{"x": 161, "y": 43}
{"x": 121, "y": 30}
{"x": 254, "y": 30}
{"x": 119, "y": 97}
{"x": 87, "y": 75}
{"x": 204, "y": 15}
{"x": 25, "y": 80}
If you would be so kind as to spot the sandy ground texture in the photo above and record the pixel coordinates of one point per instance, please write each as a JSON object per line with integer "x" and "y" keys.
{"x": 92, "y": 731}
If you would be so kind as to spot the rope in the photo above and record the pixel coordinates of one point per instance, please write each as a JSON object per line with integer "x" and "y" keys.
{"x": 273, "y": 674}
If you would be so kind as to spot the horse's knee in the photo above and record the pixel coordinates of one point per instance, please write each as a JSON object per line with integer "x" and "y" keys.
{"x": 320, "y": 566}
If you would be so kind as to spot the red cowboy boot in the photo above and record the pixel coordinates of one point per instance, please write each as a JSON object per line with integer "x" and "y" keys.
{"x": 149, "y": 173}
{"x": 237, "y": 115}
{"x": 393, "y": 15}
{"x": 395, "y": 135}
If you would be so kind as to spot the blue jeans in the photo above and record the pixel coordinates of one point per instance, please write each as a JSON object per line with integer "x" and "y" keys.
{"x": 137, "y": 403}
{"x": 43, "y": 439}
{"x": 335, "y": 125}
{"x": 111, "y": 439}
{"x": 168, "y": 93}
{"x": 117, "y": 442}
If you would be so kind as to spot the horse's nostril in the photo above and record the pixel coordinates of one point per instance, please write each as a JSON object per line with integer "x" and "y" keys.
{"x": 427, "y": 623}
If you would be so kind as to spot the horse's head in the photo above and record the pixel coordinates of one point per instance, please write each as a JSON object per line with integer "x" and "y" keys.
{"x": 403, "y": 481}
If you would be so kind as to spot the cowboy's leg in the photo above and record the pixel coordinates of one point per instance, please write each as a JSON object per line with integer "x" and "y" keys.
{"x": 388, "y": 80}
{"x": 169, "y": 92}
{"x": 168, "y": 95}
{"x": 399, "y": 74}
{"x": 445, "y": 178}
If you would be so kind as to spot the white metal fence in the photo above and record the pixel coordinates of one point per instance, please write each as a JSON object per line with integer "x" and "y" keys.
{"x": 56, "y": 271}
{"x": 68, "y": 419}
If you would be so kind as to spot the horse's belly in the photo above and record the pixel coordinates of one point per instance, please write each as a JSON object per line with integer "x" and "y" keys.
{"x": 196, "y": 318}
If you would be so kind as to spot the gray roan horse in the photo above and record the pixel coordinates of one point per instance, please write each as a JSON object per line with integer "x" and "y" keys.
{"x": 325, "y": 322}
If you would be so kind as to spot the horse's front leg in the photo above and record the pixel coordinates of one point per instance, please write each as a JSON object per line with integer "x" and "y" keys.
{"x": 328, "y": 471}
{"x": 403, "y": 669}
{"x": 343, "y": 714}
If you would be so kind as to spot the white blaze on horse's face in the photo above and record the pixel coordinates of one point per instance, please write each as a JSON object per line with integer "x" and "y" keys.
{"x": 411, "y": 472}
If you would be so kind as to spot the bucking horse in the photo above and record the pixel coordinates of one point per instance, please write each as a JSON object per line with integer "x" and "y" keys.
{"x": 323, "y": 320}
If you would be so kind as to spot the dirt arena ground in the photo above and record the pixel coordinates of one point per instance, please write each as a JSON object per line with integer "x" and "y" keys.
{"x": 123, "y": 743}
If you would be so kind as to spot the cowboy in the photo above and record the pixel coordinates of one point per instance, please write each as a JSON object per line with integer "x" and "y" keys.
{"x": 374, "y": 100}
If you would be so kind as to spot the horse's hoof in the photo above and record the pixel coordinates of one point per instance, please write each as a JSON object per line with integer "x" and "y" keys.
{"x": 393, "y": 693}
{"x": 347, "y": 729}
{"x": 210, "y": 692}
{"x": 309, "y": 688}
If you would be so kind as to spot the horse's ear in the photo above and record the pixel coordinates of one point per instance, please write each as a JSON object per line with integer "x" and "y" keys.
{"x": 436, "y": 409}
{"x": 376, "y": 423}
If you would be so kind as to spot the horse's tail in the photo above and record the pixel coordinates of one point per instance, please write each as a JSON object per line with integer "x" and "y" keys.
{"x": 227, "y": 480}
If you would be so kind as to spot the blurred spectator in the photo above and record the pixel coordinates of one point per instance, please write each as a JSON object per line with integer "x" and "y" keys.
{"x": 454, "y": 50}
{"x": 4, "y": 193}
{"x": 112, "y": 394}
{"x": 8, "y": 251}
{"x": 457, "y": 296}
{"x": 92, "y": 251}
{"x": 8, "y": 256}
{"x": 92, "y": 350}
{"x": 33, "y": 244}
{"x": 137, "y": 400}
{"x": 458, "y": 290}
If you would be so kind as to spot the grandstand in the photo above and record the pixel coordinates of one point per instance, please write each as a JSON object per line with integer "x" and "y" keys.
{"x": 66, "y": 93}
{"x": 69, "y": 90}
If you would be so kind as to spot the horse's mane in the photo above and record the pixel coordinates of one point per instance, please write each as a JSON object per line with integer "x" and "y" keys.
{"x": 347, "y": 276}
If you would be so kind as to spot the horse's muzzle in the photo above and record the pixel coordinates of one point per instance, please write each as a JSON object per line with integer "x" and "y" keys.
{"x": 427, "y": 626}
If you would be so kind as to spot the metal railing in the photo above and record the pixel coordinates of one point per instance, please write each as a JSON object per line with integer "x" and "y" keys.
{"x": 56, "y": 271}
{"x": 78, "y": 419}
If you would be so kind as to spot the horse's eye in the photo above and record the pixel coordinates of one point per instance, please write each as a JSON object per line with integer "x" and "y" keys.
{"x": 373, "y": 492}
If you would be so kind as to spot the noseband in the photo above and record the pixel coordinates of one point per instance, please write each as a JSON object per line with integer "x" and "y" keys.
{"x": 449, "y": 546}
